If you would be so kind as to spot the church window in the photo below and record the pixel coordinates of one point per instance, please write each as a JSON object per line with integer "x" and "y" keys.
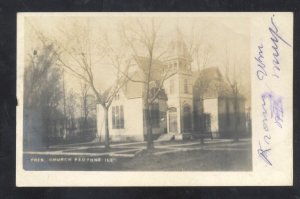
{"x": 121, "y": 123}
{"x": 117, "y": 117}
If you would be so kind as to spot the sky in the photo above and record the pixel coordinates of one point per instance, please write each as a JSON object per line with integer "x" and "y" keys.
{"x": 224, "y": 37}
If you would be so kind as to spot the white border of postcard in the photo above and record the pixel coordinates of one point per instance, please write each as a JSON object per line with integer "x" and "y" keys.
{"x": 263, "y": 174}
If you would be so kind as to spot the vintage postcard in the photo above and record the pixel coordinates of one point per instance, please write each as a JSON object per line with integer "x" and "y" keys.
{"x": 154, "y": 99}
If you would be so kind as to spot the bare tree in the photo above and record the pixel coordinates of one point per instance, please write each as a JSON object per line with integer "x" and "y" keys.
{"x": 42, "y": 90}
{"x": 71, "y": 104}
{"x": 78, "y": 57}
{"x": 232, "y": 75}
{"x": 198, "y": 47}
{"x": 85, "y": 106}
{"x": 143, "y": 41}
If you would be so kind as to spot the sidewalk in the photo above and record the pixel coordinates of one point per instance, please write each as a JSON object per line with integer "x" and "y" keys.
{"x": 130, "y": 150}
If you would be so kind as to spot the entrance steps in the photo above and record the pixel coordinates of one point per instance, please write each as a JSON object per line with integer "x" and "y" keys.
{"x": 166, "y": 137}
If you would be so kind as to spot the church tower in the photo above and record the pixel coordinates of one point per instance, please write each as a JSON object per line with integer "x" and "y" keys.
{"x": 179, "y": 88}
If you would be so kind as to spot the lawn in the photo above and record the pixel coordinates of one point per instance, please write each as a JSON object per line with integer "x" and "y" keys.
{"x": 192, "y": 161}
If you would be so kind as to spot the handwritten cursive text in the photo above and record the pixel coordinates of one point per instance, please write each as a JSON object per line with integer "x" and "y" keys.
{"x": 276, "y": 38}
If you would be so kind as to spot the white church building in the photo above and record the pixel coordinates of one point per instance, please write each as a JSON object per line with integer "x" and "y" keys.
{"x": 192, "y": 104}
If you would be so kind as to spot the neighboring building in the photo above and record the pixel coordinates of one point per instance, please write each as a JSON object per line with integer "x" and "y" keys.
{"x": 216, "y": 99}
{"x": 190, "y": 105}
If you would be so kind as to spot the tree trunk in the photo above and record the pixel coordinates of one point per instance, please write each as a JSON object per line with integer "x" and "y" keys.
{"x": 148, "y": 127}
{"x": 106, "y": 128}
{"x": 85, "y": 113}
{"x": 85, "y": 122}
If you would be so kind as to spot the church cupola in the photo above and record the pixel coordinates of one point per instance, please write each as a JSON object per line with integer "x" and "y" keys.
{"x": 178, "y": 57}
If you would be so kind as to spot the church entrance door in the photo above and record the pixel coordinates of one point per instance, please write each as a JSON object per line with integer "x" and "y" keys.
{"x": 173, "y": 120}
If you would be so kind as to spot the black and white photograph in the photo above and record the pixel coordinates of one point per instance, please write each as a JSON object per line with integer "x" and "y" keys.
{"x": 145, "y": 92}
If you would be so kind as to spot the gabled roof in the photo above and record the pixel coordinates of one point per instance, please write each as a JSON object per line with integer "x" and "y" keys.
{"x": 156, "y": 67}
{"x": 207, "y": 74}
{"x": 135, "y": 89}
{"x": 211, "y": 83}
